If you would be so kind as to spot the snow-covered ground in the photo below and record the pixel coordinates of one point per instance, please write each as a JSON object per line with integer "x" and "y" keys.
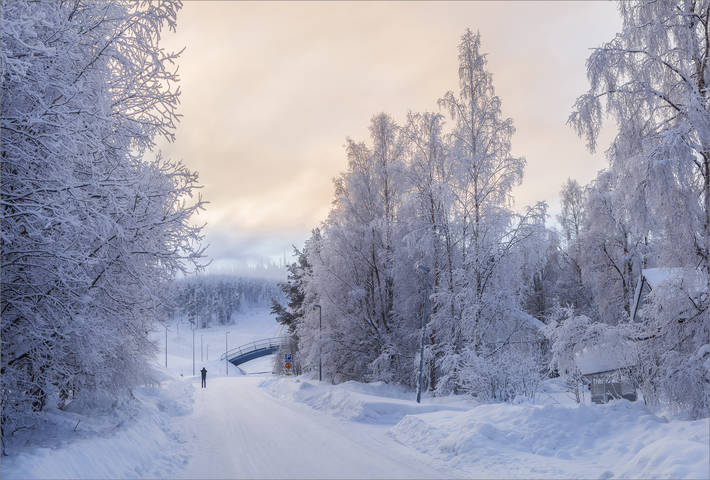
{"x": 254, "y": 324}
{"x": 552, "y": 438}
{"x": 255, "y": 425}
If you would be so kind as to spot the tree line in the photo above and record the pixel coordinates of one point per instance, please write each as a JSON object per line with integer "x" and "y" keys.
{"x": 209, "y": 300}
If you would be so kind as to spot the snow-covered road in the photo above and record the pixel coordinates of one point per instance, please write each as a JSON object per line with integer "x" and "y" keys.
{"x": 265, "y": 426}
{"x": 237, "y": 430}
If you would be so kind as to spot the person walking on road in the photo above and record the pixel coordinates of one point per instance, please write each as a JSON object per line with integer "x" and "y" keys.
{"x": 204, "y": 377}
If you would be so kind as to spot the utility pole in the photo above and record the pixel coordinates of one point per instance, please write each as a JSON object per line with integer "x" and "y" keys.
{"x": 193, "y": 348}
{"x": 320, "y": 344}
{"x": 226, "y": 348}
{"x": 201, "y": 348}
{"x": 422, "y": 326}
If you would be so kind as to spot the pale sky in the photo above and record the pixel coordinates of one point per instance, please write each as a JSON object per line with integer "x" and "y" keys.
{"x": 270, "y": 91}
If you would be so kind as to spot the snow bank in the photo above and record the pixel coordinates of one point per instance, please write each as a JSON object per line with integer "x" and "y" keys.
{"x": 121, "y": 443}
{"x": 555, "y": 439}
{"x": 621, "y": 439}
{"x": 375, "y": 403}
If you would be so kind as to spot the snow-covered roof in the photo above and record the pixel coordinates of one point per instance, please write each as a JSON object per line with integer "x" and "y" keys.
{"x": 527, "y": 320}
{"x": 605, "y": 357}
{"x": 526, "y": 328}
{"x": 691, "y": 280}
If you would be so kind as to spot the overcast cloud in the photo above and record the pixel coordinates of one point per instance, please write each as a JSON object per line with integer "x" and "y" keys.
{"x": 271, "y": 91}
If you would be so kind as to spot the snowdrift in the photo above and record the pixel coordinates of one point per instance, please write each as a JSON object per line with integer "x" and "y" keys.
{"x": 555, "y": 439}
{"x": 121, "y": 443}
{"x": 376, "y": 403}
{"x": 621, "y": 438}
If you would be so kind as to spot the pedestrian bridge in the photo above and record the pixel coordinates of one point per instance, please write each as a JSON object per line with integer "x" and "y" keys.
{"x": 250, "y": 351}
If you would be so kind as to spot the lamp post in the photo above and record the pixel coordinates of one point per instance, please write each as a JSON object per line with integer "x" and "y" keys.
{"x": 320, "y": 328}
{"x": 166, "y": 345}
{"x": 202, "y": 348}
{"x": 226, "y": 360}
{"x": 193, "y": 348}
{"x": 422, "y": 326}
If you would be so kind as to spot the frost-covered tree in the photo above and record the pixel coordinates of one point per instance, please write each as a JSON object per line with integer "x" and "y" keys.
{"x": 427, "y": 213}
{"x": 93, "y": 225}
{"x": 571, "y": 219}
{"x": 485, "y": 282}
{"x": 567, "y": 332}
{"x": 485, "y": 170}
{"x": 653, "y": 79}
{"x": 358, "y": 247}
{"x": 612, "y": 250}
{"x": 652, "y": 206}
{"x": 418, "y": 194}
{"x": 547, "y": 290}
{"x": 673, "y": 346}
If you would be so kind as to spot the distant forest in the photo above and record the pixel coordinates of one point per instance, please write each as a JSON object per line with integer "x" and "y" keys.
{"x": 213, "y": 299}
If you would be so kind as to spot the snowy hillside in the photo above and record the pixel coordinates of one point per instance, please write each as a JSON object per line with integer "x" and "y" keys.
{"x": 262, "y": 426}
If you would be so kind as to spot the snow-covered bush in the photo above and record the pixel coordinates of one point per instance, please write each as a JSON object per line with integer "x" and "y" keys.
{"x": 503, "y": 374}
{"x": 565, "y": 330}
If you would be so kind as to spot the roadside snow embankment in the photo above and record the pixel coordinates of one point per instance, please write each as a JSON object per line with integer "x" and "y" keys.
{"x": 375, "y": 403}
{"x": 620, "y": 439}
{"x": 623, "y": 439}
{"x": 129, "y": 442}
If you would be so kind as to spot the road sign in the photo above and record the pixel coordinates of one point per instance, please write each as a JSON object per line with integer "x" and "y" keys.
{"x": 287, "y": 365}
{"x": 288, "y": 357}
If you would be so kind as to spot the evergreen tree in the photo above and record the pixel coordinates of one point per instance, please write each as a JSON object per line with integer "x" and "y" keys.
{"x": 292, "y": 288}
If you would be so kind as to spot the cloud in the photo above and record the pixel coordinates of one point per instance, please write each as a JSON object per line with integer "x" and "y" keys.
{"x": 271, "y": 90}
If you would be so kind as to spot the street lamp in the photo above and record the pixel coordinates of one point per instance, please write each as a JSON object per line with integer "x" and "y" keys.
{"x": 226, "y": 360}
{"x": 166, "y": 345}
{"x": 193, "y": 348}
{"x": 422, "y": 326}
{"x": 320, "y": 328}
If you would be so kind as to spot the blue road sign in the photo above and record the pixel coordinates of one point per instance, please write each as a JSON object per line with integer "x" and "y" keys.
{"x": 287, "y": 357}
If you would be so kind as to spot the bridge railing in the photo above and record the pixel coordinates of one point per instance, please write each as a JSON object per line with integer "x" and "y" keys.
{"x": 255, "y": 345}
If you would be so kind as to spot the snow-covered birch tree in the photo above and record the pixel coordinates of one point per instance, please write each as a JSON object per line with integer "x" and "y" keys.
{"x": 421, "y": 195}
{"x": 652, "y": 78}
{"x": 426, "y": 213}
{"x": 485, "y": 171}
{"x": 358, "y": 248}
